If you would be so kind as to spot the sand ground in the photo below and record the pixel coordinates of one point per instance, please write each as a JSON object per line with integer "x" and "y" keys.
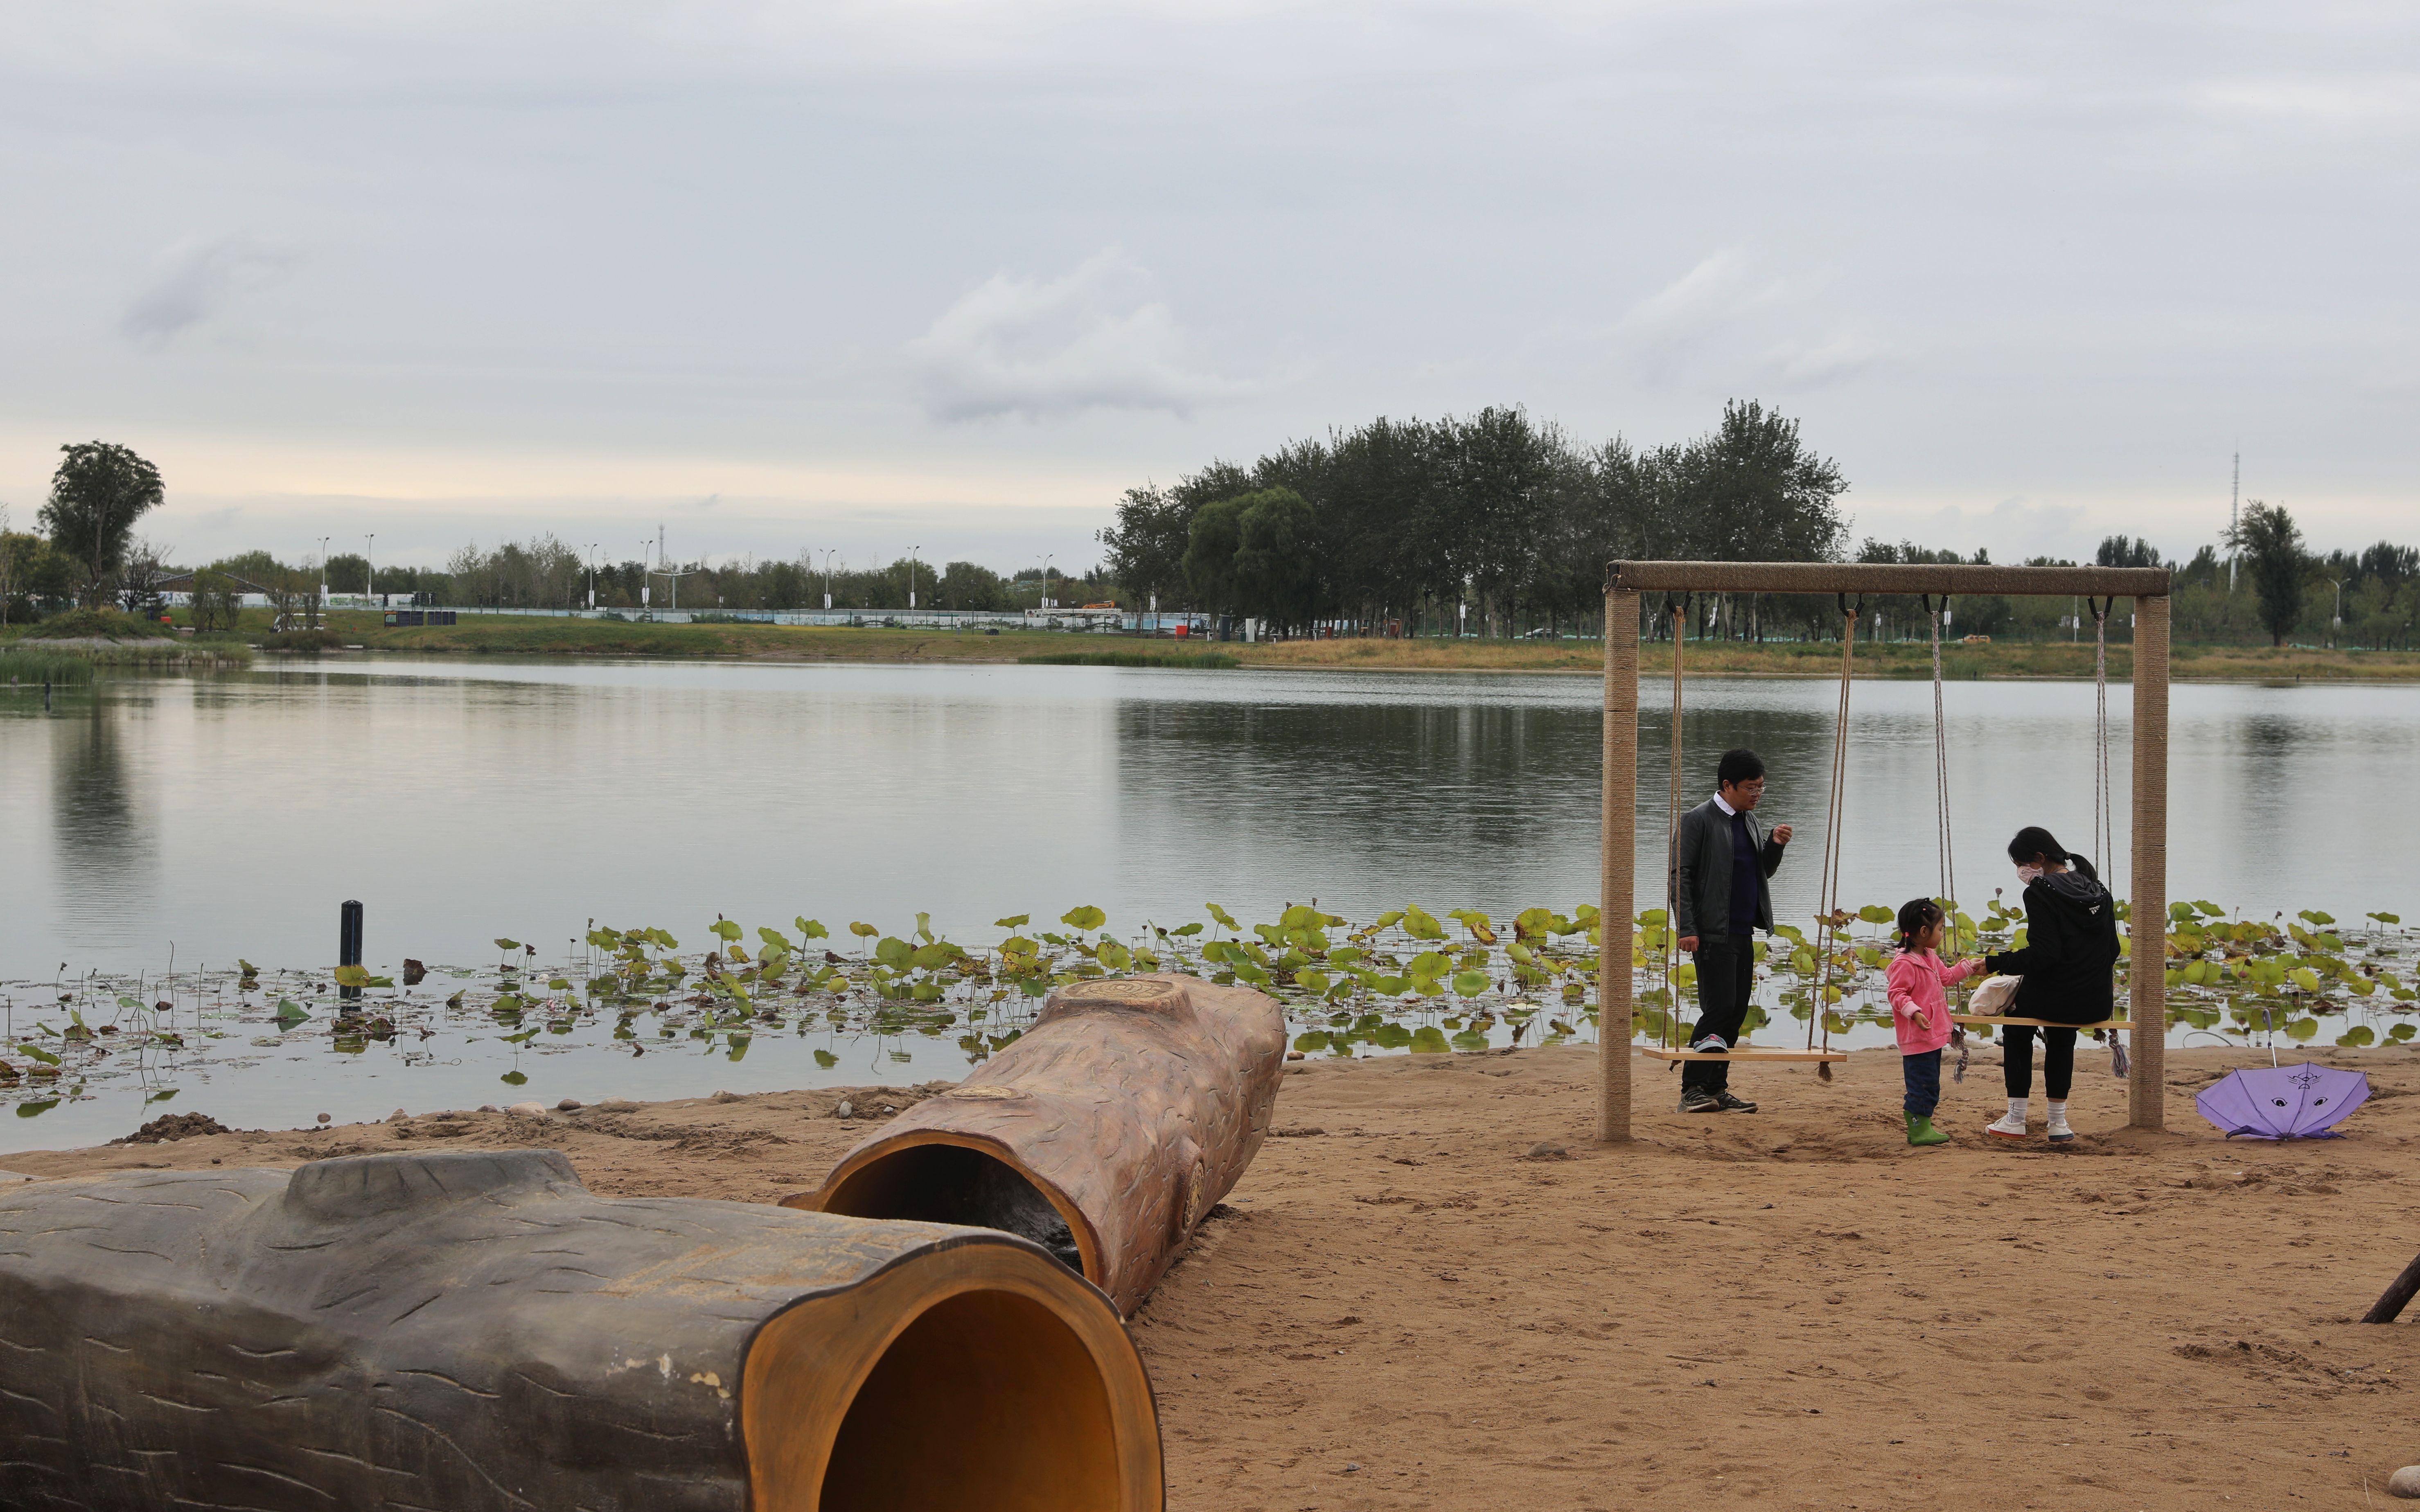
{"x": 1398, "y": 1307}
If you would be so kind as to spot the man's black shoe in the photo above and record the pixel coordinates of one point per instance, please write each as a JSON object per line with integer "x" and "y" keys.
{"x": 1729, "y": 1103}
{"x": 1697, "y": 1100}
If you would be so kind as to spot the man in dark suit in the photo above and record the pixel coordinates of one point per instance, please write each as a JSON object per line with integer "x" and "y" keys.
{"x": 1725, "y": 857}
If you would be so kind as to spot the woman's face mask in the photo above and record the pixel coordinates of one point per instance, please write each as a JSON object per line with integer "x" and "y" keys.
{"x": 2029, "y": 874}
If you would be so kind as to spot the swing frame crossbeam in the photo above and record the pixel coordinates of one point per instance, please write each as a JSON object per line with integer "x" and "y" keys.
{"x": 1627, "y": 581}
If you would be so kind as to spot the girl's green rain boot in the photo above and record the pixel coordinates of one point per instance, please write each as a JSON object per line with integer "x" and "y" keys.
{"x": 1921, "y": 1130}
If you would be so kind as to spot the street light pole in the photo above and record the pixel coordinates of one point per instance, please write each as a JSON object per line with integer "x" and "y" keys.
{"x": 828, "y": 556}
{"x": 911, "y": 575}
{"x": 369, "y": 569}
{"x": 2335, "y": 623}
{"x": 323, "y": 565}
{"x": 1046, "y": 578}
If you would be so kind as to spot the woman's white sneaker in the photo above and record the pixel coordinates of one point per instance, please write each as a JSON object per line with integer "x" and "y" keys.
{"x": 2059, "y": 1132}
{"x": 2009, "y": 1126}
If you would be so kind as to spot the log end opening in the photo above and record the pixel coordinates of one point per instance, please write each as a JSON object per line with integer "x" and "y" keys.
{"x": 978, "y": 1376}
{"x": 931, "y": 1181}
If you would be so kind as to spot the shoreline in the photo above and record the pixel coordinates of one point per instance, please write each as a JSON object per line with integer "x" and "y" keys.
{"x": 1433, "y": 1288}
{"x": 571, "y": 640}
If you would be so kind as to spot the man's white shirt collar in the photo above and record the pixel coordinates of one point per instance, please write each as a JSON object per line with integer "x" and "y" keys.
{"x": 1724, "y": 807}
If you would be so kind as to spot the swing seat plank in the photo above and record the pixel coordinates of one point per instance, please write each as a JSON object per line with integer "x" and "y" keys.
{"x": 1744, "y": 1053}
{"x": 2033, "y": 1023}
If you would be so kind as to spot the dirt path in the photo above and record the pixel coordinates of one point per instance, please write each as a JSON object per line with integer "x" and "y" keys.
{"x": 1398, "y": 1308}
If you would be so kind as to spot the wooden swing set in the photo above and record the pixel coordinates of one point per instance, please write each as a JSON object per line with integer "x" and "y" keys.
{"x": 1626, "y": 585}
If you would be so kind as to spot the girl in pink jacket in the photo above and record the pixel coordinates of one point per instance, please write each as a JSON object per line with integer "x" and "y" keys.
{"x": 1920, "y": 1012}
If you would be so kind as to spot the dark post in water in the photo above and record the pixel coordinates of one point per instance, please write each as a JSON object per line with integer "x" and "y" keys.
{"x": 348, "y": 940}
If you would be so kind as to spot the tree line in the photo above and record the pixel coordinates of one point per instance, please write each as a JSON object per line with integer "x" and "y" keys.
{"x": 1490, "y": 523}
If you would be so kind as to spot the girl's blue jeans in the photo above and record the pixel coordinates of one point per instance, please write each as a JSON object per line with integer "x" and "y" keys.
{"x": 1923, "y": 1073}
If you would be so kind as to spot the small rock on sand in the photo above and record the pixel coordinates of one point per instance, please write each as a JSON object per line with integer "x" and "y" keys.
{"x": 1548, "y": 1149}
{"x": 325, "y": 1117}
{"x": 569, "y": 1105}
{"x": 847, "y": 1110}
{"x": 727, "y": 1096}
{"x": 528, "y": 1110}
{"x": 2405, "y": 1482}
{"x": 398, "y": 1115}
{"x": 618, "y": 1104}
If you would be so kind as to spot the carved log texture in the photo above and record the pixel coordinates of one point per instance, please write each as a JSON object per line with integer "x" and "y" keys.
{"x": 1105, "y": 1133}
{"x": 473, "y": 1331}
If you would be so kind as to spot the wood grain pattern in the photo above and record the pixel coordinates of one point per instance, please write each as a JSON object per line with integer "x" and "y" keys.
{"x": 1124, "y": 1113}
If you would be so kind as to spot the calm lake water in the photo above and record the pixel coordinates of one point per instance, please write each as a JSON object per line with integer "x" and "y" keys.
{"x": 460, "y": 801}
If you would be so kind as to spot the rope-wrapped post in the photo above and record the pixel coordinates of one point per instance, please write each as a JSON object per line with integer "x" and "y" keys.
{"x": 2146, "y": 972}
{"x": 1618, "y": 831}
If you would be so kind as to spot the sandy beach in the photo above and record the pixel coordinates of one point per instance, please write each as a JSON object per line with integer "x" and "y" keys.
{"x": 1401, "y": 1307}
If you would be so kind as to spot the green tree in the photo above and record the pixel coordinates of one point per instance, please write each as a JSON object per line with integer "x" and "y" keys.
{"x": 1276, "y": 558}
{"x": 96, "y": 497}
{"x": 1211, "y": 539}
{"x": 1154, "y": 529}
{"x": 965, "y": 585}
{"x": 2271, "y": 544}
{"x": 2122, "y": 551}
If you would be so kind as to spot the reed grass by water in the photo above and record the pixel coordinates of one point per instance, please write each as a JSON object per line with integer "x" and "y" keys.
{"x": 24, "y": 668}
{"x": 1212, "y": 659}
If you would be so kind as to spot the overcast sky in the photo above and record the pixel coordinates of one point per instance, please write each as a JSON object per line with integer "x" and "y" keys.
{"x": 951, "y": 276}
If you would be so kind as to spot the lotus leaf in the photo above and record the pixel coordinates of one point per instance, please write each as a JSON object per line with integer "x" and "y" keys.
{"x": 1470, "y": 984}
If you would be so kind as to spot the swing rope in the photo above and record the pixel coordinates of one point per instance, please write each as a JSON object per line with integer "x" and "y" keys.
{"x": 1948, "y": 857}
{"x": 1827, "y": 877}
{"x": 2105, "y": 804}
{"x": 1670, "y": 1039}
{"x": 2105, "y": 811}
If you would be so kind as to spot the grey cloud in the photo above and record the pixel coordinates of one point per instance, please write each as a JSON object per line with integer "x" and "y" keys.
{"x": 195, "y": 280}
{"x": 1091, "y": 339}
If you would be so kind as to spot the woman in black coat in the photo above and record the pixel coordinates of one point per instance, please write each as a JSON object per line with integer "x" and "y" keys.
{"x": 2068, "y": 962}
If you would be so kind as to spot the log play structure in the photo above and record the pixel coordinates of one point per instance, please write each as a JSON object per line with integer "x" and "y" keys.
{"x": 475, "y": 1331}
{"x": 1629, "y": 586}
{"x": 1105, "y": 1133}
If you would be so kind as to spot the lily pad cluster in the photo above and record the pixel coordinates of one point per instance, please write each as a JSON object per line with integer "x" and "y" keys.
{"x": 1408, "y": 980}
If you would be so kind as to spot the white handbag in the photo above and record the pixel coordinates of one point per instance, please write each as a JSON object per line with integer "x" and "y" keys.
{"x": 1994, "y": 999}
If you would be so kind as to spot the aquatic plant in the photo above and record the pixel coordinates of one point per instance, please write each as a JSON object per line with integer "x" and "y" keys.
{"x": 1407, "y": 980}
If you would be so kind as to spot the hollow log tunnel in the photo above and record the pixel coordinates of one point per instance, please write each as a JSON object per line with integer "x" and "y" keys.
{"x": 1105, "y": 1133}
{"x": 476, "y": 1331}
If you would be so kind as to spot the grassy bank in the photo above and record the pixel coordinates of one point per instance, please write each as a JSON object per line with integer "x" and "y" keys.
{"x": 501, "y": 635}
{"x": 515, "y": 636}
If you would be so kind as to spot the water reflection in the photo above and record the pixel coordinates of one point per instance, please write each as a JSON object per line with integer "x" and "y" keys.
{"x": 104, "y": 844}
{"x": 462, "y": 802}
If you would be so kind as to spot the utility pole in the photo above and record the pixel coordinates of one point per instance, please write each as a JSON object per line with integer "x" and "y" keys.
{"x": 646, "y": 579}
{"x": 911, "y": 575}
{"x": 323, "y": 566}
{"x": 828, "y": 556}
{"x": 369, "y": 572}
{"x": 1046, "y": 580}
{"x": 663, "y": 569}
{"x": 2234, "y": 504}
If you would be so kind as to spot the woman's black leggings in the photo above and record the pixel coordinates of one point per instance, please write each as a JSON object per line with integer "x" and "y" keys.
{"x": 2058, "y": 1060}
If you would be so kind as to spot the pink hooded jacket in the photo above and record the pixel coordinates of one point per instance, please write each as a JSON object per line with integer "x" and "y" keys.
{"x": 1916, "y": 983}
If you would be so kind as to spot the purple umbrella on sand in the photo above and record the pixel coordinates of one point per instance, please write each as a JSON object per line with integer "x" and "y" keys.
{"x": 2283, "y": 1102}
